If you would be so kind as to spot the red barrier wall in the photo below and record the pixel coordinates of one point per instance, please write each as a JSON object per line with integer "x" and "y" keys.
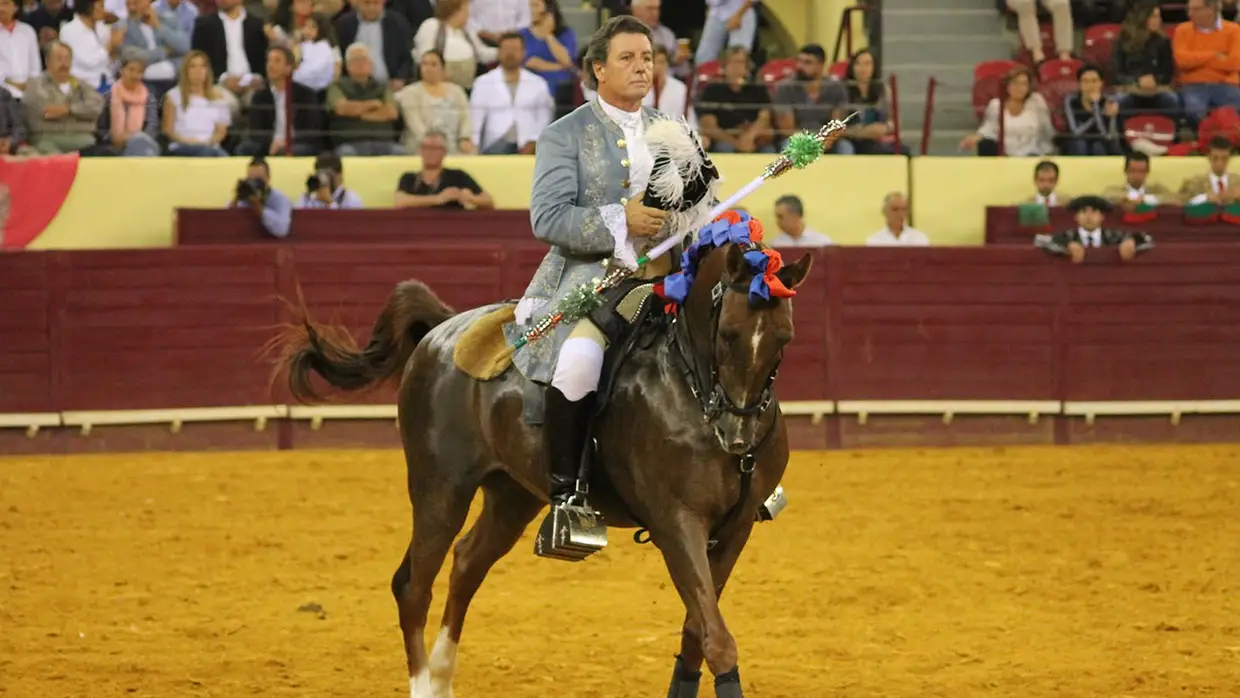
{"x": 184, "y": 327}
{"x": 196, "y": 226}
{"x": 1003, "y": 226}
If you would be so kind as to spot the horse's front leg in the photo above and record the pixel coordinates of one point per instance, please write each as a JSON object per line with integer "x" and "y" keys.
{"x": 699, "y": 577}
{"x": 687, "y": 673}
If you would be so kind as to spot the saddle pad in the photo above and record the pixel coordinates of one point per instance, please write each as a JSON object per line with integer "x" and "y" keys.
{"x": 482, "y": 352}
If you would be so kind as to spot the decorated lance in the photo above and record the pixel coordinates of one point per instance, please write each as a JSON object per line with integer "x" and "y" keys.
{"x": 799, "y": 152}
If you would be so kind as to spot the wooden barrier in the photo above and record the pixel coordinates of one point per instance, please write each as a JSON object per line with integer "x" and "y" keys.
{"x": 197, "y": 226}
{"x": 1003, "y": 226}
{"x": 172, "y": 337}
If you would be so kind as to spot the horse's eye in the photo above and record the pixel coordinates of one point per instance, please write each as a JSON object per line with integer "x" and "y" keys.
{"x": 729, "y": 335}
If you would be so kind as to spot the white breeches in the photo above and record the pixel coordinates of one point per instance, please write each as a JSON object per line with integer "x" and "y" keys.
{"x": 580, "y": 363}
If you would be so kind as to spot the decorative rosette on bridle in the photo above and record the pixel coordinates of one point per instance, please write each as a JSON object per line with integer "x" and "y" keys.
{"x": 735, "y": 228}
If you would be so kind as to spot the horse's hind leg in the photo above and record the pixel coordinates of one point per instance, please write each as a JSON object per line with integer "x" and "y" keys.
{"x": 439, "y": 512}
{"x": 507, "y": 510}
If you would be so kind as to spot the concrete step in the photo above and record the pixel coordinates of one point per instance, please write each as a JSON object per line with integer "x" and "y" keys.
{"x": 932, "y": 50}
{"x": 959, "y": 5}
{"x": 912, "y": 78}
{"x": 938, "y": 22}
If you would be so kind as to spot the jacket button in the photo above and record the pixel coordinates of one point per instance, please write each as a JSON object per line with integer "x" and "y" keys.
{"x": 624, "y": 201}
{"x": 624, "y": 162}
{"x": 626, "y": 184}
{"x": 621, "y": 143}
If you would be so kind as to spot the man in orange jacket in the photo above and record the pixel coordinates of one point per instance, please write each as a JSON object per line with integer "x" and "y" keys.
{"x": 1207, "y": 53}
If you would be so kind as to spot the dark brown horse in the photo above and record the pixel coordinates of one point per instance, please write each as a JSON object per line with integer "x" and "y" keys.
{"x": 688, "y": 417}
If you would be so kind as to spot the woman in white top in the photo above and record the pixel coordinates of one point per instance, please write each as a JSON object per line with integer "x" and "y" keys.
{"x": 196, "y": 115}
{"x": 460, "y": 46}
{"x": 1027, "y": 127}
{"x": 433, "y": 104}
{"x": 93, "y": 43}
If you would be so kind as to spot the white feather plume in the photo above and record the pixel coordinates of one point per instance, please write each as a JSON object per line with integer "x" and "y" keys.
{"x": 675, "y": 139}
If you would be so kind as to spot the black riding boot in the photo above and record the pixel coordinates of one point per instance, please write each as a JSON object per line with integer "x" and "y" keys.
{"x": 565, "y": 424}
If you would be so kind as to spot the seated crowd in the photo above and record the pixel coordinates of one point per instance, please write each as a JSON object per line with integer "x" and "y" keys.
{"x": 206, "y": 78}
{"x": 1142, "y": 82}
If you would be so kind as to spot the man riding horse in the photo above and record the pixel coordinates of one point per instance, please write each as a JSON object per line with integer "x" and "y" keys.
{"x": 600, "y": 198}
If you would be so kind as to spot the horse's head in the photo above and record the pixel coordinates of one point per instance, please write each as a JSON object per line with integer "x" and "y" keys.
{"x": 739, "y": 316}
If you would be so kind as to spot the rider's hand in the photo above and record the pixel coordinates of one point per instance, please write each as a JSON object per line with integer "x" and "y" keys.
{"x": 642, "y": 220}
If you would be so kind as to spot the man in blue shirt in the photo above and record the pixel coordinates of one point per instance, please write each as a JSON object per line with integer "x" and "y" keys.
{"x": 255, "y": 192}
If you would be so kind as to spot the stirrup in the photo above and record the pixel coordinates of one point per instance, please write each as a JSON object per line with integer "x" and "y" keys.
{"x": 572, "y": 530}
{"x": 774, "y": 504}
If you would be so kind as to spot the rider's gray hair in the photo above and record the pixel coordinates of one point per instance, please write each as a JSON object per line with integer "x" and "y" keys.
{"x": 600, "y": 44}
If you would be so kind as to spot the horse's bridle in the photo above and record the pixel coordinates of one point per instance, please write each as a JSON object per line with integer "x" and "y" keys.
{"x": 712, "y": 396}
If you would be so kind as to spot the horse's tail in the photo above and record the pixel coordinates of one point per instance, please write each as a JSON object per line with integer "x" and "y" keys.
{"x": 409, "y": 314}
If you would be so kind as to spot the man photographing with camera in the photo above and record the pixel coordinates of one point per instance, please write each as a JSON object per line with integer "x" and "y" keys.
{"x": 325, "y": 186}
{"x": 275, "y": 210}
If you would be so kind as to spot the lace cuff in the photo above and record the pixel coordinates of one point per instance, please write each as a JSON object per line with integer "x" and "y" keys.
{"x": 614, "y": 218}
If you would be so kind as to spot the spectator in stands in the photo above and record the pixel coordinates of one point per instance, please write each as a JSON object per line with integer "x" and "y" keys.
{"x": 871, "y": 132}
{"x": 196, "y": 113}
{"x": 1027, "y": 128}
{"x": 160, "y": 41}
{"x": 132, "y": 117}
{"x": 1045, "y": 182}
{"x": 285, "y": 117}
{"x": 510, "y": 106}
{"x": 809, "y": 98}
{"x": 287, "y": 21}
{"x": 363, "y": 110}
{"x": 668, "y": 94}
{"x": 449, "y": 33}
{"x": 387, "y": 37}
{"x": 897, "y": 232}
{"x": 1216, "y": 185}
{"x": 790, "y": 217}
{"x": 328, "y": 190}
{"x": 19, "y": 51}
{"x": 12, "y": 125}
{"x": 1031, "y": 33}
{"x": 1136, "y": 190}
{"x": 93, "y": 43}
{"x": 733, "y": 23}
{"x": 46, "y": 18}
{"x": 735, "y": 114}
{"x": 1207, "y": 52}
{"x": 1090, "y": 212}
{"x": 648, "y": 13}
{"x": 255, "y": 192}
{"x": 60, "y": 109}
{"x": 551, "y": 48}
{"x": 1093, "y": 118}
{"x": 1143, "y": 64}
{"x": 491, "y": 19}
{"x": 438, "y": 186}
{"x": 236, "y": 46}
{"x": 433, "y": 104}
{"x": 185, "y": 11}
{"x": 319, "y": 60}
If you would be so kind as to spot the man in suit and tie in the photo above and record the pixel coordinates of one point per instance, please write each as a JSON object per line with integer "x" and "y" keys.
{"x": 1090, "y": 212}
{"x": 285, "y": 117}
{"x": 1216, "y": 186}
{"x": 388, "y": 37}
{"x": 1136, "y": 190}
{"x": 237, "y": 47}
{"x": 1045, "y": 181}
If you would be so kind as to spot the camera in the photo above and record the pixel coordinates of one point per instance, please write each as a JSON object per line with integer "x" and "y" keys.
{"x": 250, "y": 187}
{"x": 318, "y": 180}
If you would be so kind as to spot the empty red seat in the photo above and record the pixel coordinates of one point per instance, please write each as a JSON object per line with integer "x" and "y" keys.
{"x": 1099, "y": 45}
{"x": 838, "y": 69}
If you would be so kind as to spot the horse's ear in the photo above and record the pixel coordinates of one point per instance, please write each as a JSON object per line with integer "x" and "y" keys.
{"x": 794, "y": 275}
{"x": 736, "y": 263}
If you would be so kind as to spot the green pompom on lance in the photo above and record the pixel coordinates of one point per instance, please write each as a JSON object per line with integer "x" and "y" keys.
{"x": 802, "y": 149}
{"x": 580, "y": 302}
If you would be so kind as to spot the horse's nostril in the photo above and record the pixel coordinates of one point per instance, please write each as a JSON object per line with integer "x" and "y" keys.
{"x": 738, "y": 442}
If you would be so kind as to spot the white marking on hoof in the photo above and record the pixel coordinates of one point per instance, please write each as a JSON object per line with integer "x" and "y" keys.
{"x": 443, "y": 665}
{"x": 420, "y": 685}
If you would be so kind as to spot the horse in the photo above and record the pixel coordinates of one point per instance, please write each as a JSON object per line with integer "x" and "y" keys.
{"x": 691, "y": 443}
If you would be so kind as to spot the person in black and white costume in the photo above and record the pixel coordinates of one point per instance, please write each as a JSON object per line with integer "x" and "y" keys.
{"x": 1090, "y": 212}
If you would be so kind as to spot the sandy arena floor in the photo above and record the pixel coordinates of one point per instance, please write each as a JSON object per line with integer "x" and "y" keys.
{"x": 957, "y": 573}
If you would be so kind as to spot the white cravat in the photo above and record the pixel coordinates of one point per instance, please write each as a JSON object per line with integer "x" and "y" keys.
{"x": 640, "y": 162}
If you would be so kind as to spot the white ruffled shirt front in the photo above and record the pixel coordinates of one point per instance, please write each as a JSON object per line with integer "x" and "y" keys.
{"x": 641, "y": 164}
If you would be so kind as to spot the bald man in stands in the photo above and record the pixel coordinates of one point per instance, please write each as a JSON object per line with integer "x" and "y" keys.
{"x": 897, "y": 232}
